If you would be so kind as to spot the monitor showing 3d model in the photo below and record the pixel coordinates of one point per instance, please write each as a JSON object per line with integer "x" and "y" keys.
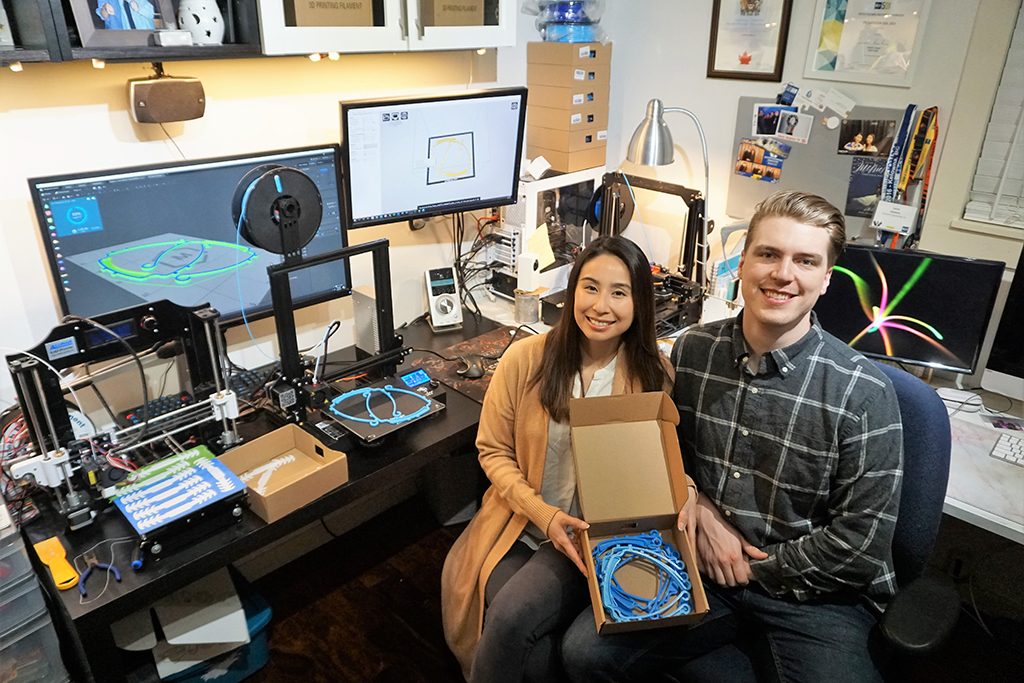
{"x": 421, "y": 157}
{"x": 911, "y": 306}
{"x": 127, "y": 236}
{"x": 1004, "y": 372}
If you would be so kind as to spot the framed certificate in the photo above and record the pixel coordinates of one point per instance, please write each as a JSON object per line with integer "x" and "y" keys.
{"x": 748, "y": 39}
{"x": 866, "y": 41}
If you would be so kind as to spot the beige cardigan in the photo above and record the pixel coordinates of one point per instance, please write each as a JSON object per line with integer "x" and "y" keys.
{"x": 512, "y": 441}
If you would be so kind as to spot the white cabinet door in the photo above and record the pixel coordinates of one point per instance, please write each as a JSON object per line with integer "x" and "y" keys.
{"x": 499, "y": 29}
{"x": 279, "y": 39}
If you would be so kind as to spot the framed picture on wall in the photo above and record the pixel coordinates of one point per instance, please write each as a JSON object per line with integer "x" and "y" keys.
{"x": 866, "y": 42}
{"x": 120, "y": 23}
{"x": 748, "y": 39}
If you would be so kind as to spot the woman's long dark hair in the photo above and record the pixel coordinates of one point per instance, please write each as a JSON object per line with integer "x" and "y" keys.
{"x": 563, "y": 349}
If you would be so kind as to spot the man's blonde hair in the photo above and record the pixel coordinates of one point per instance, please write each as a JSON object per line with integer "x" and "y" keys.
{"x": 806, "y": 208}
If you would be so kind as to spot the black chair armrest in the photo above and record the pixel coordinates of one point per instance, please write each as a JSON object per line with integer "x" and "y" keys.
{"x": 921, "y": 616}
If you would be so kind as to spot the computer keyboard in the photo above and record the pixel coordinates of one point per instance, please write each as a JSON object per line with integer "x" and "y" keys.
{"x": 248, "y": 382}
{"x": 158, "y": 406}
{"x": 1009, "y": 448}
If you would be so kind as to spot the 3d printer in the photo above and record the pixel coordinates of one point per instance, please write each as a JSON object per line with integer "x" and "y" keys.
{"x": 83, "y": 471}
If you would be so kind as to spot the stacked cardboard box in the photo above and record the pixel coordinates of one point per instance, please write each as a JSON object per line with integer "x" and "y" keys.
{"x": 328, "y": 13}
{"x": 567, "y": 116}
{"x": 452, "y": 12}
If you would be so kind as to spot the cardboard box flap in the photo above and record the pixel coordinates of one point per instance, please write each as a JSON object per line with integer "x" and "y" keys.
{"x": 652, "y": 405}
{"x": 628, "y": 463}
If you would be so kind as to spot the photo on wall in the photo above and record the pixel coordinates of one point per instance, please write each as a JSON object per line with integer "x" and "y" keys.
{"x": 766, "y": 118}
{"x": 761, "y": 158}
{"x": 866, "y": 138}
{"x": 795, "y": 127}
{"x": 865, "y": 189}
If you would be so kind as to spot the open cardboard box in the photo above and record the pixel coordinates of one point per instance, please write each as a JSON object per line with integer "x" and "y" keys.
{"x": 630, "y": 479}
{"x": 301, "y": 469}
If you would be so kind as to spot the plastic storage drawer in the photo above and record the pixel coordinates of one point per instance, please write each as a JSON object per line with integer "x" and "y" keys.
{"x": 29, "y": 652}
{"x": 20, "y": 602}
{"x": 14, "y": 562}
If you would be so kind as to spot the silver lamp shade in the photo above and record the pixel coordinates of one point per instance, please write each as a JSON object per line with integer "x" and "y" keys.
{"x": 651, "y": 144}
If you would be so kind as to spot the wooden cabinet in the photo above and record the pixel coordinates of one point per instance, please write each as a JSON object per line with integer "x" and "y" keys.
{"x": 397, "y": 26}
{"x": 31, "y": 24}
{"x": 46, "y": 32}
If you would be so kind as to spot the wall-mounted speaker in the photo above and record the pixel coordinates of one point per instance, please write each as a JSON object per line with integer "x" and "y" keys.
{"x": 159, "y": 100}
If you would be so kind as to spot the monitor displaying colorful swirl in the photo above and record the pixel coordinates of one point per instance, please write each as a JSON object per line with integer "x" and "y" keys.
{"x": 911, "y": 306}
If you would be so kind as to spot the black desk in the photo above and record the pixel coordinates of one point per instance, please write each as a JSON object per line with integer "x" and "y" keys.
{"x": 85, "y": 628}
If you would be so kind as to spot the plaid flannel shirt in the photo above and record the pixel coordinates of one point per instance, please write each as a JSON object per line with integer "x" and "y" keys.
{"x": 804, "y": 457}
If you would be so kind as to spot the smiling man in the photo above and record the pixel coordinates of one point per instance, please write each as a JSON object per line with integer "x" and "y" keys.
{"x": 795, "y": 444}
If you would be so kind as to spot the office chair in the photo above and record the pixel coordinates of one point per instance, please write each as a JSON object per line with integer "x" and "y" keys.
{"x": 924, "y": 611}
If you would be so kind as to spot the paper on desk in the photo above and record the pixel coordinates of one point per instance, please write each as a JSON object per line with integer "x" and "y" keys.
{"x": 208, "y": 611}
{"x": 540, "y": 245}
{"x": 172, "y": 659}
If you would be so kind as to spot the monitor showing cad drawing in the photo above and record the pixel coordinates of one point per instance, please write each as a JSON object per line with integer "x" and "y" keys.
{"x": 413, "y": 158}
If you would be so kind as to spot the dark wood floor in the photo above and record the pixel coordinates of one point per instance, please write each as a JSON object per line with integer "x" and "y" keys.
{"x": 366, "y": 608}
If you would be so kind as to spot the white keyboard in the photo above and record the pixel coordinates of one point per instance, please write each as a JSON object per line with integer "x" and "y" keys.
{"x": 1009, "y": 448}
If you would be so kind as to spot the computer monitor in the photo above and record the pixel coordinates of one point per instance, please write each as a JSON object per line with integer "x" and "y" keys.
{"x": 427, "y": 156}
{"x": 911, "y": 306}
{"x": 128, "y": 236}
{"x": 1004, "y": 372}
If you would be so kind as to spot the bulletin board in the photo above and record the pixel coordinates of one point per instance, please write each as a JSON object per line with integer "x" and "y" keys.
{"x": 815, "y": 167}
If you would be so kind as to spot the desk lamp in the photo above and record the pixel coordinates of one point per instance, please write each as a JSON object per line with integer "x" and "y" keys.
{"x": 651, "y": 145}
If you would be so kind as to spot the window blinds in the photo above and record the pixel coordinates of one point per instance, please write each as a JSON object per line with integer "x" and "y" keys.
{"x": 997, "y": 194}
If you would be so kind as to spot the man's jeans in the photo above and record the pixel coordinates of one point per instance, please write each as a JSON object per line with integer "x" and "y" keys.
{"x": 822, "y": 641}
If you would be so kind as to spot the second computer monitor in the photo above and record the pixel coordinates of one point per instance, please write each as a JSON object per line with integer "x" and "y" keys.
{"x": 911, "y": 306}
{"x": 421, "y": 157}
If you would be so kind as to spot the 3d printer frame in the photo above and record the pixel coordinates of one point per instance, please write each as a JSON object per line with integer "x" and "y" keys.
{"x": 693, "y": 253}
{"x": 390, "y": 352}
{"x": 63, "y": 461}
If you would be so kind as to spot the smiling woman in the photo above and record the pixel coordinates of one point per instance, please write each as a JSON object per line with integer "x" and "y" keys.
{"x": 517, "y": 559}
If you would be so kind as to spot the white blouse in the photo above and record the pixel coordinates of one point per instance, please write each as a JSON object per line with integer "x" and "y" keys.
{"x": 558, "y": 486}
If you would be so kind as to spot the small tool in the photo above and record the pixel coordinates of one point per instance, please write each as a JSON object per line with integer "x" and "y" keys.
{"x": 138, "y": 558}
{"x": 51, "y": 553}
{"x": 93, "y": 563}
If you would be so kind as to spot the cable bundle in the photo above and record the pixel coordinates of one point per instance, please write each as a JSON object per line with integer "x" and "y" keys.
{"x": 672, "y": 597}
